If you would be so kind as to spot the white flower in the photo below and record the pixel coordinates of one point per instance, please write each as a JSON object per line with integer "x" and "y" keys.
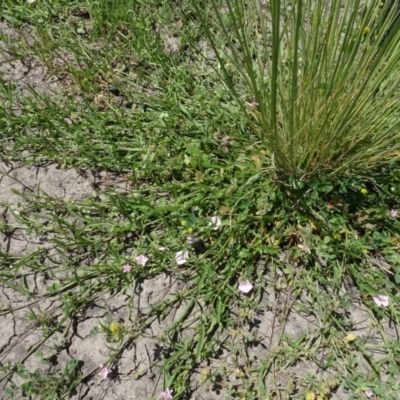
{"x": 381, "y": 301}
{"x": 181, "y": 257}
{"x": 245, "y": 286}
{"x": 193, "y": 239}
{"x": 30, "y": 1}
{"x": 142, "y": 260}
{"x": 216, "y": 222}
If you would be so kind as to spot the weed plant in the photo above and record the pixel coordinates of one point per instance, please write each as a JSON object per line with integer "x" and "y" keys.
{"x": 319, "y": 79}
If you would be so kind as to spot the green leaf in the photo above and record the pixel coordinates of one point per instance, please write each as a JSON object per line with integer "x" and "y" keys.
{"x": 54, "y": 288}
{"x": 380, "y": 391}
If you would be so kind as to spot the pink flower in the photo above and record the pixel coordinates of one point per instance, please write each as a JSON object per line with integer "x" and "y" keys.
{"x": 167, "y": 395}
{"x": 393, "y": 213}
{"x": 381, "y": 301}
{"x": 181, "y": 257}
{"x": 216, "y": 222}
{"x": 142, "y": 260}
{"x": 193, "y": 239}
{"x": 126, "y": 268}
{"x": 369, "y": 394}
{"x": 67, "y": 120}
{"x": 245, "y": 286}
{"x": 105, "y": 371}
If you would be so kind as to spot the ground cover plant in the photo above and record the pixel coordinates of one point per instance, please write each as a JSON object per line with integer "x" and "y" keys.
{"x": 244, "y": 172}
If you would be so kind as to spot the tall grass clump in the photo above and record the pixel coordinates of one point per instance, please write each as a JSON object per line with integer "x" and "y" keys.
{"x": 318, "y": 80}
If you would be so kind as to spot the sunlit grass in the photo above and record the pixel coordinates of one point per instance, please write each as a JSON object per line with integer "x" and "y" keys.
{"x": 323, "y": 77}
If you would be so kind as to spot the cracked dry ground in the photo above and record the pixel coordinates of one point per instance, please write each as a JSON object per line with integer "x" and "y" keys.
{"x": 19, "y": 338}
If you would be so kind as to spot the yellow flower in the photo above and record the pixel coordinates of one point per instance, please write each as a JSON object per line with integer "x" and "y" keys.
{"x": 183, "y": 223}
{"x": 336, "y": 236}
{"x": 351, "y": 337}
{"x": 365, "y": 251}
{"x": 190, "y": 230}
{"x": 204, "y": 375}
{"x": 364, "y": 191}
{"x": 381, "y": 4}
{"x": 116, "y": 326}
{"x": 366, "y": 30}
{"x": 310, "y": 396}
